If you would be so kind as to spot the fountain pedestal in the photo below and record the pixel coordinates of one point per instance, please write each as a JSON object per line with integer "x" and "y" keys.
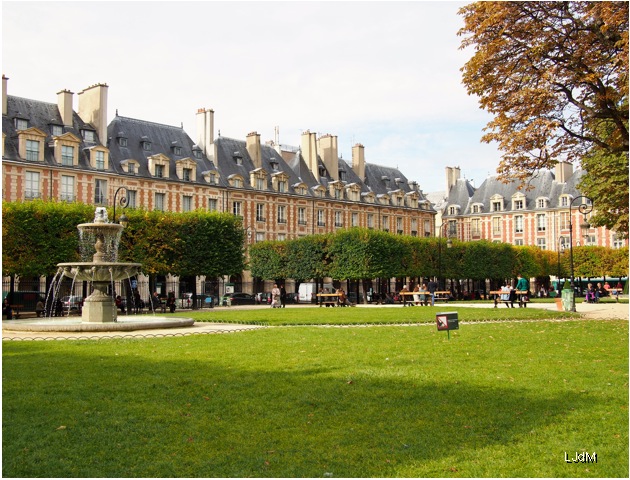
{"x": 99, "y": 307}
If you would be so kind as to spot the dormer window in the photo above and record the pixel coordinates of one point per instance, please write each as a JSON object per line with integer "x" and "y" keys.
{"x": 56, "y": 130}
{"x": 453, "y": 210}
{"x": 177, "y": 150}
{"x": 542, "y": 202}
{"x": 187, "y": 174}
{"x": 159, "y": 171}
{"x": 496, "y": 202}
{"x": 21, "y": 124}
{"x": 477, "y": 208}
{"x": 342, "y": 175}
{"x": 274, "y": 165}
{"x": 131, "y": 168}
{"x": 197, "y": 153}
{"x": 122, "y": 141}
{"x": 88, "y": 135}
{"x": 146, "y": 145}
{"x": 238, "y": 158}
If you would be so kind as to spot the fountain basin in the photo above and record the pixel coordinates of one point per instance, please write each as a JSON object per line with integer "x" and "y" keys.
{"x": 99, "y": 271}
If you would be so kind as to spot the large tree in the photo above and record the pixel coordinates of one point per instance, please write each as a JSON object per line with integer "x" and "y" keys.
{"x": 554, "y": 75}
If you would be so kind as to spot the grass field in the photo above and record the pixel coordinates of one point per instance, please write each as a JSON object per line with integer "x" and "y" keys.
{"x": 496, "y": 400}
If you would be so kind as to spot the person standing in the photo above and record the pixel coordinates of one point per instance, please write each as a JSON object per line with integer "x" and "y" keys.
{"x": 522, "y": 286}
{"x": 283, "y": 296}
{"x": 432, "y": 287}
{"x": 275, "y": 296}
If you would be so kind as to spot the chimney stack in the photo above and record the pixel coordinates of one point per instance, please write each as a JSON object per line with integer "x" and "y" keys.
{"x": 358, "y": 161}
{"x": 205, "y": 130}
{"x": 93, "y": 109}
{"x": 64, "y": 102}
{"x": 328, "y": 148}
{"x": 564, "y": 171}
{"x": 452, "y": 175}
{"x": 5, "y": 82}
{"x": 253, "y": 148}
{"x": 309, "y": 152}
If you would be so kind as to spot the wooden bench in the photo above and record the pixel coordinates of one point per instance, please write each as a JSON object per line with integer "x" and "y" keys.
{"x": 427, "y": 297}
{"x": 497, "y": 297}
{"x": 328, "y": 299}
{"x": 442, "y": 296}
{"x": 16, "y": 310}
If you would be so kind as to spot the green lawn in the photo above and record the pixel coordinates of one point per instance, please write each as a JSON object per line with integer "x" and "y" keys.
{"x": 366, "y": 316}
{"x": 496, "y": 400}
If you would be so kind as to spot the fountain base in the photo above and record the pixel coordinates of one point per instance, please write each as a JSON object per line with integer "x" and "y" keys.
{"x": 99, "y": 308}
{"x": 125, "y": 323}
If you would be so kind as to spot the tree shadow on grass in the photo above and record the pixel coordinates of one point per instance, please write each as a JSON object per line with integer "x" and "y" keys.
{"x": 126, "y": 416}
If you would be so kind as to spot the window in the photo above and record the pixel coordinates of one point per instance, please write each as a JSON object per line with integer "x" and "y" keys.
{"x": 32, "y": 150}
{"x": 541, "y": 203}
{"x": 475, "y": 227}
{"x": 260, "y": 212}
{"x": 67, "y": 155}
{"x": 281, "y": 237}
{"x": 452, "y": 210}
{"x": 213, "y": 178}
{"x": 99, "y": 158}
{"x": 518, "y": 224}
{"x": 541, "y": 243}
{"x": 282, "y": 186}
{"x": 21, "y": 124}
{"x": 260, "y": 183}
{"x": 321, "y": 218}
{"x": 496, "y": 226}
{"x": 31, "y": 189}
{"x": 131, "y": 198}
{"x": 187, "y": 203}
{"x": 337, "y": 193}
{"x": 617, "y": 242}
{"x": 355, "y": 219}
{"x": 477, "y": 208}
{"x": 564, "y": 201}
{"x": 187, "y": 174}
{"x": 564, "y": 220}
{"x": 131, "y": 168}
{"x": 519, "y": 242}
{"x": 399, "y": 225}
{"x": 519, "y": 204}
{"x": 88, "y": 135}
{"x": 338, "y": 219}
{"x": 541, "y": 222}
{"x": 159, "y": 171}
{"x": 282, "y": 214}
{"x": 146, "y": 145}
{"x": 56, "y": 130}
{"x": 370, "y": 220}
{"x": 301, "y": 215}
{"x": 100, "y": 192}
{"x": 386, "y": 223}
{"x": 237, "y": 182}
{"x": 122, "y": 141}
{"x": 496, "y": 206}
{"x": 590, "y": 240}
{"x": 237, "y": 208}
{"x": 160, "y": 201}
{"x": 212, "y": 204}
{"x": 67, "y": 188}
{"x": 177, "y": 150}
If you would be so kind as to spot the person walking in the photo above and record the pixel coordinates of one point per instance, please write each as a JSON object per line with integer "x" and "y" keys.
{"x": 283, "y": 296}
{"x": 522, "y": 287}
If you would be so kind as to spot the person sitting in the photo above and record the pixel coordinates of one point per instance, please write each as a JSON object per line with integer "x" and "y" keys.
{"x": 342, "y": 299}
{"x": 591, "y": 296}
{"x": 424, "y": 291}
{"x": 404, "y": 297}
{"x": 119, "y": 304}
{"x": 508, "y": 295}
{"x": 40, "y": 310}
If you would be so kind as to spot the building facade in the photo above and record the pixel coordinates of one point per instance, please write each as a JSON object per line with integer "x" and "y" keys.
{"x": 540, "y": 213}
{"x": 51, "y": 151}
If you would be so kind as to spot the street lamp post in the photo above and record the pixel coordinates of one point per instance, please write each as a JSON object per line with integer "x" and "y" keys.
{"x": 560, "y": 249}
{"x": 583, "y": 208}
{"x": 123, "y": 203}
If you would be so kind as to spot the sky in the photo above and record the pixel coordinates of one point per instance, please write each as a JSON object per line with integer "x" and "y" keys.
{"x": 383, "y": 74}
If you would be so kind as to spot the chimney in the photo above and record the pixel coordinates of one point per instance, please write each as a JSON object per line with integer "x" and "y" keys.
{"x": 5, "y": 82}
{"x": 309, "y": 152}
{"x": 64, "y": 102}
{"x": 358, "y": 161}
{"x": 452, "y": 175}
{"x": 328, "y": 148}
{"x": 93, "y": 109}
{"x": 253, "y": 148}
{"x": 564, "y": 171}
{"x": 205, "y": 130}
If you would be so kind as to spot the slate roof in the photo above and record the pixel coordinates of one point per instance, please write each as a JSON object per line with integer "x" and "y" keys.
{"x": 541, "y": 185}
{"x": 42, "y": 115}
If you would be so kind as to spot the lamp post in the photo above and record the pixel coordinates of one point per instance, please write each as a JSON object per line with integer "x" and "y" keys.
{"x": 123, "y": 203}
{"x": 583, "y": 208}
{"x": 560, "y": 249}
{"x": 449, "y": 243}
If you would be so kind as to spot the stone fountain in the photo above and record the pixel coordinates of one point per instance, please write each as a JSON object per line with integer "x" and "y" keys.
{"x": 103, "y": 270}
{"x": 98, "y": 240}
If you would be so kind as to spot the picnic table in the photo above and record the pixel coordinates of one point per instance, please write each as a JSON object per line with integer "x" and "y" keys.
{"x": 497, "y": 295}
